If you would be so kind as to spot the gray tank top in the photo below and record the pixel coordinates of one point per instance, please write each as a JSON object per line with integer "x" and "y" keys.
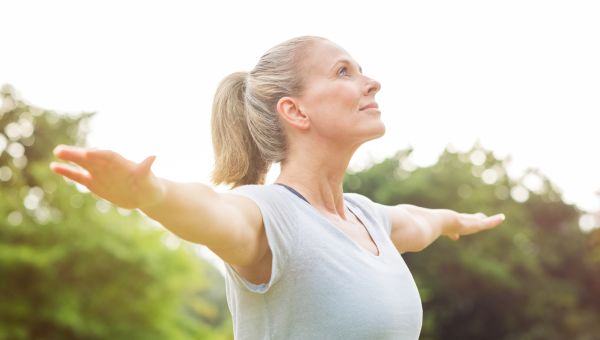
{"x": 323, "y": 284}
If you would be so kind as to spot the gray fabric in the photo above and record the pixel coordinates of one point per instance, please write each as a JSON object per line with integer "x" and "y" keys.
{"x": 323, "y": 284}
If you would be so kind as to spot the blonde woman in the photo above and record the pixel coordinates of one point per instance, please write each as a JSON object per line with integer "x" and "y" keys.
{"x": 304, "y": 259}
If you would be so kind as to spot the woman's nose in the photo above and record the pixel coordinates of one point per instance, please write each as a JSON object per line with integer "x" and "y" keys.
{"x": 372, "y": 86}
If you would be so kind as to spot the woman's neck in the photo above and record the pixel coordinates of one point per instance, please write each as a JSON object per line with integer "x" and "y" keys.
{"x": 318, "y": 179}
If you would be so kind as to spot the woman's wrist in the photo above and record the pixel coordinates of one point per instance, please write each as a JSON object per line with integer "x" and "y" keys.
{"x": 156, "y": 195}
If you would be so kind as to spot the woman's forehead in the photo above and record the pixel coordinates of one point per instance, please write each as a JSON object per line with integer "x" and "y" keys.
{"x": 324, "y": 55}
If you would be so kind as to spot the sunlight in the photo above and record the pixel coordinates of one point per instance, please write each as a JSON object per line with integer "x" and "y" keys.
{"x": 13, "y": 131}
{"x": 20, "y": 162}
{"x": 489, "y": 176}
{"x": 33, "y": 198}
{"x": 26, "y": 126}
{"x": 588, "y": 222}
{"x": 123, "y": 211}
{"x": 408, "y": 165}
{"x": 42, "y": 215}
{"x": 477, "y": 157}
{"x": 14, "y": 218}
{"x": 519, "y": 194}
{"x": 171, "y": 241}
{"x": 103, "y": 206}
{"x": 5, "y": 174}
{"x": 533, "y": 182}
{"x": 15, "y": 149}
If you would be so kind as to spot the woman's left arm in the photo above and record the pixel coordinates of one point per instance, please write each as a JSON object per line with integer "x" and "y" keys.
{"x": 414, "y": 228}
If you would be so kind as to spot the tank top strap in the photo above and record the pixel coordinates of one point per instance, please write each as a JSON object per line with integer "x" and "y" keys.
{"x": 293, "y": 191}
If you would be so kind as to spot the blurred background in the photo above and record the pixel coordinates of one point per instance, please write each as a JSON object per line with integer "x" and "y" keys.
{"x": 488, "y": 107}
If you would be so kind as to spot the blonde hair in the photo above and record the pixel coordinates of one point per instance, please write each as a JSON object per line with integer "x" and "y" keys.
{"x": 247, "y": 134}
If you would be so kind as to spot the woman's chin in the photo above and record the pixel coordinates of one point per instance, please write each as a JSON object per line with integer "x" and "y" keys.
{"x": 377, "y": 132}
{"x": 380, "y": 130}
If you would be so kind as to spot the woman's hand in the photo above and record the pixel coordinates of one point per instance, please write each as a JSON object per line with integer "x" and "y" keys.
{"x": 110, "y": 176}
{"x": 466, "y": 224}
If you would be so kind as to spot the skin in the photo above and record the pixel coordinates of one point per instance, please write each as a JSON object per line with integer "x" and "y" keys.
{"x": 327, "y": 120}
{"x": 325, "y": 125}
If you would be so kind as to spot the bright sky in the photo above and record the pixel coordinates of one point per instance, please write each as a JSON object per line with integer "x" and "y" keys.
{"x": 522, "y": 77}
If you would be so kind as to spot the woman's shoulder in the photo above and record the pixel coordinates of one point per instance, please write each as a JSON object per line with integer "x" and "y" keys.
{"x": 259, "y": 190}
{"x": 269, "y": 197}
{"x": 359, "y": 199}
{"x": 372, "y": 208}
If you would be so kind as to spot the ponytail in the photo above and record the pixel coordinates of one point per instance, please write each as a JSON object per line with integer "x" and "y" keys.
{"x": 247, "y": 134}
{"x": 238, "y": 160}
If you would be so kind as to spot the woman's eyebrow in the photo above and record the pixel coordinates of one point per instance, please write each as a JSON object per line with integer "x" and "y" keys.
{"x": 348, "y": 62}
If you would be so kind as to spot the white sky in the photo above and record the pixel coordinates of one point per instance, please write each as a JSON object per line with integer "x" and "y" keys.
{"x": 523, "y": 77}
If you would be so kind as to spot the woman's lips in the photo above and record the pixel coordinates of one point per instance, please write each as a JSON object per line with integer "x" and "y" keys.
{"x": 370, "y": 106}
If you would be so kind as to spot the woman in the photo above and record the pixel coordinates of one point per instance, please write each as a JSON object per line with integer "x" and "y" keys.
{"x": 304, "y": 260}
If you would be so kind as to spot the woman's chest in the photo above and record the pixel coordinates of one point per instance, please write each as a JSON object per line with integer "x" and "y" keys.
{"x": 357, "y": 232}
{"x": 334, "y": 289}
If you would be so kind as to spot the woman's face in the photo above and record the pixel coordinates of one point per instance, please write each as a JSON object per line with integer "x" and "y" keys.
{"x": 338, "y": 99}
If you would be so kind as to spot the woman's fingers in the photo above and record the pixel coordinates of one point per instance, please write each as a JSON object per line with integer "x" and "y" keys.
{"x": 93, "y": 160}
{"x": 110, "y": 176}
{"x": 73, "y": 154}
{"x": 80, "y": 176}
{"x": 473, "y": 223}
{"x": 485, "y": 223}
{"x": 454, "y": 237}
{"x": 493, "y": 221}
{"x": 145, "y": 166}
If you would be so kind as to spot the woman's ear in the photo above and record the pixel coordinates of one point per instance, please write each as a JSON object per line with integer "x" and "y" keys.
{"x": 289, "y": 110}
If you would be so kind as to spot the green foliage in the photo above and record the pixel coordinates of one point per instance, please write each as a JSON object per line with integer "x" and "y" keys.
{"x": 73, "y": 266}
{"x": 534, "y": 277}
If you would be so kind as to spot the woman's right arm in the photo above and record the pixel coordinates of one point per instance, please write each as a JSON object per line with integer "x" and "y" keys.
{"x": 230, "y": 225}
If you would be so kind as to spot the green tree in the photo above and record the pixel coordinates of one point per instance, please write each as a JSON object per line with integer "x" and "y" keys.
{"x": 530, "y": 278}
{"x": 73, "y": 266}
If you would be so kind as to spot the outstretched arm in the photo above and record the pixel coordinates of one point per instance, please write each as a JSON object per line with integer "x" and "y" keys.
{"x": 414, "y": 228}
{"x": 230, "y": 225}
